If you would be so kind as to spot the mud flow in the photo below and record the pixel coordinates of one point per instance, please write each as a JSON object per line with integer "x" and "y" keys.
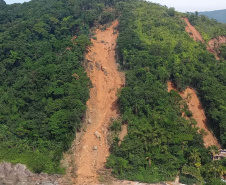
{"x": 92, "y": 149}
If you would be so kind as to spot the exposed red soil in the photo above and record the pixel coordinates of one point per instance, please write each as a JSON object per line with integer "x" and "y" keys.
{"x": 191, "y": 30}
{"x": 92, "y": 148}
{"x": 212, "y": 46}
{"x": 215, "y": 43}
{"x": 195, "y": 106}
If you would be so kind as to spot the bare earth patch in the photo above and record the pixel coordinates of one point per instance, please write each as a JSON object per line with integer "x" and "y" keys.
{"x": 215, "y": 43}
{"x": 92, "y": 148}
{"x": 86, "y": 159}
{"x": 191, "y": 30}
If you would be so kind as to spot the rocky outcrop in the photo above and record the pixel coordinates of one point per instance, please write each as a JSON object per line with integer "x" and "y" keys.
{"x": 19, "y": 175}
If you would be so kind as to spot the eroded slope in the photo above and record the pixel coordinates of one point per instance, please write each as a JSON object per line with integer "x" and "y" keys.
{"x": 92, "y": 148}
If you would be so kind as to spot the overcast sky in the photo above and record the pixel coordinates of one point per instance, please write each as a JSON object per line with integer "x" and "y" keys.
{"x": 193, "y": 5}
{"x": 180, "y": 5}
{"x": 15, "y": 1}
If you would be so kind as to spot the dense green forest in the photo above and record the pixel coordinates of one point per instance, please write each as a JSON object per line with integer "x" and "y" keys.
{"x": 43, "y": 86}
{"x": 153, "y": 48}
{"x": 219, "y": 15}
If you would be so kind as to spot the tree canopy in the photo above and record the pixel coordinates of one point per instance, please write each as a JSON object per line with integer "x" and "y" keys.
{"x": 43, "y": 85}
{"x": 153, "y": 48}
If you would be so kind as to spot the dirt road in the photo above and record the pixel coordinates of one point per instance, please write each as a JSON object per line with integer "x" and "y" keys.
{"x": 92, "y": 148}
{"x": 197, "y": 110}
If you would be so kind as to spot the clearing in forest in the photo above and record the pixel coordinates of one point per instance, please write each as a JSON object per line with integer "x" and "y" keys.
{"x": 92, "y": 148}
{"x": 195, "y": 106}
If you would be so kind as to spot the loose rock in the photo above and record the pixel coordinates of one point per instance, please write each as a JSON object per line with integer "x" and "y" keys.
{"x": 98, "y": 135}
{"x": 19, "y": 175}
{"x": 95, "y": 148}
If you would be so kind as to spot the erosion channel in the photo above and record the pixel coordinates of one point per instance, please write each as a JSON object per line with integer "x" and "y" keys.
{"x": 92, "y": 148}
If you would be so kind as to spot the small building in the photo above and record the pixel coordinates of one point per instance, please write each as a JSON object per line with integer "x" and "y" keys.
{"x": 221, "y": 155}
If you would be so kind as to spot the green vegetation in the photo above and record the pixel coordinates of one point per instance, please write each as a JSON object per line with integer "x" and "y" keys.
{"x": 44, "y": 88}
{"x": 43, "y": 85}
{"x": 153, "y": 48}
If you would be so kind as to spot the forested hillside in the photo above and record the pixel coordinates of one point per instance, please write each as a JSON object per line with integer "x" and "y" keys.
{"x": 154, "y": 48}
{"x": 219, "y": 15}
{"x": 43, "y": 86}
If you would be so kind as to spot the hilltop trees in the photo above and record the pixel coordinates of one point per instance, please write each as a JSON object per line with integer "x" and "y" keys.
{"x": 171, "y": 11}
{"x": 43, "y": 85}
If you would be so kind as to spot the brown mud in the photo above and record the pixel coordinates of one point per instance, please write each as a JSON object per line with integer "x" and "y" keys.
{"x": 191, "y": 30}
{"x": 214, "y": 45}
{"x": 195, "y": 106}
{"x": 92, "y": 148}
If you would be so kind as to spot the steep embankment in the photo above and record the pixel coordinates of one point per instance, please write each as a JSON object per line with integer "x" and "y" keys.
{"x": 92, "y": 148}
{"x": 212, "y": 46}
{"x": 195, "y": 106}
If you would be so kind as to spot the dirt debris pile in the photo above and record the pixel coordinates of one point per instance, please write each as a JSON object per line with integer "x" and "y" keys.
{"x": 92, "y": 148}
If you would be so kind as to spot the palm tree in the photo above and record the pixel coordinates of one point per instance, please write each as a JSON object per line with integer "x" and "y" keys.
{"x": 195, "y": 156}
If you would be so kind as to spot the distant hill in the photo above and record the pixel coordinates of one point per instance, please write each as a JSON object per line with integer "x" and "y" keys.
{"x": 2, "y": 2}
{"x": 219, "y": 15}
